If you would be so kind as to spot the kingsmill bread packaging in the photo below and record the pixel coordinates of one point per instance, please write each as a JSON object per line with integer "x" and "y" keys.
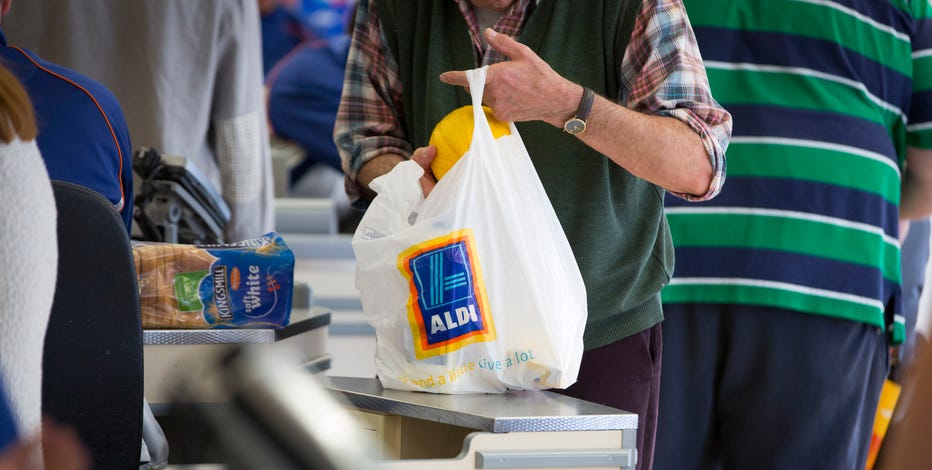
{"x": 242, "y": 284}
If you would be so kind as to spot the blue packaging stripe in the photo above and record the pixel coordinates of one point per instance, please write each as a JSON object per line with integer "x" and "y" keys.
{"x": 250, "y": 283}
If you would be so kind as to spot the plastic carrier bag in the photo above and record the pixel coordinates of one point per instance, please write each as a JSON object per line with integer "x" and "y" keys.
{"x": 475, "y": 288}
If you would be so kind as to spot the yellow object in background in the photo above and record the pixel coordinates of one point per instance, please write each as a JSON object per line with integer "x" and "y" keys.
{"x": 889, "y": 395}
{"x": 453, "y": 135}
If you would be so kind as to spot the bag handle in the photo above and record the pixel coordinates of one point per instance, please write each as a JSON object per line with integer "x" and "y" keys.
{"x": 476, "y": 80}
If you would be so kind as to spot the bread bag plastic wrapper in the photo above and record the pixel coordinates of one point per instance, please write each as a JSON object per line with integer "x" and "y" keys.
{"x": 242, "y": 284}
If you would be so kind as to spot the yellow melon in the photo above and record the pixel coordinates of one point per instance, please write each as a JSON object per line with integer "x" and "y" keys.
{"x": 453, "y": 135}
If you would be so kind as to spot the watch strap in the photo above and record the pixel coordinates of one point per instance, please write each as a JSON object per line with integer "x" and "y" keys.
{"x": 585, "y": 104}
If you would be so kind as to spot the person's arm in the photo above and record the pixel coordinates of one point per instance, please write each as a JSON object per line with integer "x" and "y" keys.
{"x": 368, "y": 130}
{"x": 916, "y": 193}
{"x": 916, "y": 197}
{"x": 659, "y": 149}
{"x": 241, "y": 143}
{"x": 665, "y": 76}
{"x": 125, "y": 153}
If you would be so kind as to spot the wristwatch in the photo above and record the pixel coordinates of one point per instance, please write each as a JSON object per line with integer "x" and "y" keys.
{"x": 577, "y": 124}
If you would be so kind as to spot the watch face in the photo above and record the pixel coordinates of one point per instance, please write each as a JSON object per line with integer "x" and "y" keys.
{"x": 574, "y": 126}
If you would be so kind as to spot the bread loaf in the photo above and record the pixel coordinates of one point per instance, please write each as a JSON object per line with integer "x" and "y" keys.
{"x": 188, "y": 286}
{"x": 159, "y": 267}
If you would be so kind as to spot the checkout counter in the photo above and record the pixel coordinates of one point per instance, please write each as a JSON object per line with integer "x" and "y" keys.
{"x": 407, "y": 430}
{"x": 268, "y": 410}
{"x": 404, "y": 429}
{"x": 413, "y": 430}
{"x": 416, "y": 430}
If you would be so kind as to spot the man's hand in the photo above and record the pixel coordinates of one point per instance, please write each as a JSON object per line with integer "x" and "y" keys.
{"x": 373, "y": 168}
{"x": 657, "y": 148}
{"x": 424, "y": 156}
{"x": 525, "y": 88}
{"x": 383, "y": 164}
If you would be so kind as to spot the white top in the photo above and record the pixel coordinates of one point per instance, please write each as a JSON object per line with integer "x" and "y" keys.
{"x": 28, "y": 267}
{"x": 188, "y": 75}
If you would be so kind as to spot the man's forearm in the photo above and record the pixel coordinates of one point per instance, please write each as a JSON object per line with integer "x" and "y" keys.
{"x": 375, "y": 167}
{"x": 662, "y": 150}
{"x": 659, "y": 149}
{"x": 916, "y": 193}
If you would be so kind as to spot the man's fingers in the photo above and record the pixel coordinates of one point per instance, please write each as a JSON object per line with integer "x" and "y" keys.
{"x": 505, "y": 44}
{"x": 500, "y": 42}
{"x": 424, "y": 155}
{"x": 456, "y": 77}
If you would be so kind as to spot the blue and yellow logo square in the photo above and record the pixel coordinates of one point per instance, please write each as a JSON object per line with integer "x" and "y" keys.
{"x": 448, "y": 307}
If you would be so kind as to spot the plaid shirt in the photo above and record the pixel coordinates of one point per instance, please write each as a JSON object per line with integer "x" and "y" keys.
{"x": 662, "y": 74}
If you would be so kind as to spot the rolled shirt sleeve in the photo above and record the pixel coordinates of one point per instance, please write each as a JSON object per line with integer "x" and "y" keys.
{"x": 366, "y": 124}
{"x": 663, "y": 74}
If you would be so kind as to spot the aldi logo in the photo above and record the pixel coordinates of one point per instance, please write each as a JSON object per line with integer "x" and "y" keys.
{"x": 447, "y": 308}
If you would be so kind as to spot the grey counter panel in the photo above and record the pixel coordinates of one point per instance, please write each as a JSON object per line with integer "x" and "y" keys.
{"x": 302, "y": 320}
{"x": 530, "y": 411}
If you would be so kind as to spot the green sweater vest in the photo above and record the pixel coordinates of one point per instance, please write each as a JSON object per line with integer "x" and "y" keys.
{"x": 613, "y": 220}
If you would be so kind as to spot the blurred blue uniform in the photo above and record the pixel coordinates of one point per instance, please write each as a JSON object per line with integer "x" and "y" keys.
{"x": 282, "y": 30}
{"x": 7, "y": 425}
{"x": 304, "y": 94}
{"x": 327, "y": 17}
{"x": 82, "y": 133}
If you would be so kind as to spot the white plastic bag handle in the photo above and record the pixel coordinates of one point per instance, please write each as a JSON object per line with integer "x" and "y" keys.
{"x": 476, "y": 80}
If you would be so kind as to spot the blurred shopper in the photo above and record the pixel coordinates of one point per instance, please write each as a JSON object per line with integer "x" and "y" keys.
{"x": 629, "y": 71}
{"x": 915, "y": 257}
{"x": 8, "y": 432}
{"x": 82, "y": 133}
{"x": 61, "y": 446}
{"x": 304, "y": 95}
{"x": 326, "y": 17}
{"x": 283, "y": 29}
{"x": 28, "y": 259}
{"x": 189, "y": 77}
{"x": 787, "y": 288}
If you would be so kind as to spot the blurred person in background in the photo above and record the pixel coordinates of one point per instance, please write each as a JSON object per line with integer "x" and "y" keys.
{"x": 28, "y": 256}
{"x": 82, "y": 132}
{"x": 61, "y": 446}
{"x": 326, "y": 17}
{"x": 915, "y": 256}
{"x": 29, "y": 259}
{"x": 189, "y": 77}
{"x": 283, "y": 29}
{"x": 304, "y": 94}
